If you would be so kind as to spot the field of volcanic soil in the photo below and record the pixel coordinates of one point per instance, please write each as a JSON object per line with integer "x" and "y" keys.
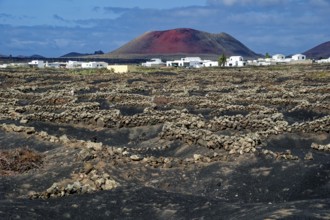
{"x": 248, "y": 143}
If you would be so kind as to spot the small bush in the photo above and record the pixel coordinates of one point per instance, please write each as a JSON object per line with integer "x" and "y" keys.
{"x": 89, "y": 71}
{"x": 161, "y": 100}
{"x": 19, "y": 160}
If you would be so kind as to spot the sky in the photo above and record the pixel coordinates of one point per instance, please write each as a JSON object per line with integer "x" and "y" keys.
{"x": 53, "y": 28}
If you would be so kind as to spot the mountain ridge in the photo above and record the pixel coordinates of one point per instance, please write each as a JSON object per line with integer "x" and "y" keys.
{"x": 320, "y": 51}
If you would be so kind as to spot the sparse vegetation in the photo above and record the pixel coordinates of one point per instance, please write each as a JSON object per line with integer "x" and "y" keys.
{"x": 19, "y": 160}
{"x": 320, "y": 75}
{"x": 222, "y": 60}
{"x": 89, "y": 71}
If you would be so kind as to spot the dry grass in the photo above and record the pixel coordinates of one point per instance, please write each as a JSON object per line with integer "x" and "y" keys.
{"x": 19, "y": 160}
{"x": 161, "y": 100}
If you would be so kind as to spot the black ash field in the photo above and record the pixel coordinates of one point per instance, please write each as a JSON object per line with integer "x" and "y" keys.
{"x": 240, "y": 143}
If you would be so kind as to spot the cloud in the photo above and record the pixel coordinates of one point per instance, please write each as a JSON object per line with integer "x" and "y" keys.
{"x": 65, "y": 42}
{"x": 24, "y": 44}
{"x": 256, "y": 18}
{"x": 46, "y": 40}
{"x": 195, "y": 12}
{"x": 118, "y": 10}
{"x": 320, "y": 3}
{"x": 4, "y": 15}
{"x": 97, "y": 8}
{"x": 59, "y": 18}
{"x": 246, "y": 2}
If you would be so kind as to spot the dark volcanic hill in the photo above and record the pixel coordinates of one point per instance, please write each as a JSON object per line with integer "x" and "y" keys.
{"x": 183, "y": 42}
{"x": 36, "y": 56}
{"x": 74, "y": 54}
{"x": 320, "y": 51}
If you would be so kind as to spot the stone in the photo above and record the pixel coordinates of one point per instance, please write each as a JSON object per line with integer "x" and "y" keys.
{"x": 23, "y": 121}
{"x": 109, "y": 184}
{"x": 18, "y": 128}
{"x": 125, "y": 153}
{"x": 99, "y": 182}
{"x": 309, "y": 156}
{"x": 43, "y": 134}
{"x": 88, "y": 167}
{"x": 168, "y": 165}
{"x": 77, "y": 186}
{"x": 30, "y": 130}
{"x": 53, "y": 139}
{"x": 197, "y": 157}
{"x": 94, "y": 146}
{"x": 136, "y": 157}
{"x": 52, "y": 188}
{"x": 86, "y": 155}
{"x": 100, "y": 122}
{"x": 202, "y": 142}
{"x": 232, "y": 151}
{"x": 69, "y": 188}
{"x": 207, "y": 160}
{"x": 64, "y": 139}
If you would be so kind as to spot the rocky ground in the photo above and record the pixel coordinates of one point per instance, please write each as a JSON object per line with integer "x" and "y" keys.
{"x": 249, "y": 143}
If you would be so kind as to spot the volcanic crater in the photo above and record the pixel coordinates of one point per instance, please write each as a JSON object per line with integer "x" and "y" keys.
{"x": 183, "y": 42}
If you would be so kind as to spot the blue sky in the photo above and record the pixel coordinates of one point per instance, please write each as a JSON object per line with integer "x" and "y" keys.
{"x": 53, "y": 28}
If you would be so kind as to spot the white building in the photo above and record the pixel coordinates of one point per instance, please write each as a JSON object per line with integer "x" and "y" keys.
{"x": 3, "y": 65}
{"x": 73, "y": 64}
{"x": 56, "y": 65}
{"x": 155, "y": 62}
{"x": 278, "y": 57}
{"x": 235, "y": 61}
{"x": 263, "y": 62}
{"x": 185, "y": 62}
{"x": 323, "y": 60}
{"x": 298, "y": 57}
{"x": 94, "y": 65}
{"x": 210, "y": 63}
{"x": 194, "y": 62}
{"x": 37, "y": 63}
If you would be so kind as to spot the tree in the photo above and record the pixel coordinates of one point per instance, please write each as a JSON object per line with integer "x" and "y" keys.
{"x": 267, "y": 55}
{"x": 222, "y": 60}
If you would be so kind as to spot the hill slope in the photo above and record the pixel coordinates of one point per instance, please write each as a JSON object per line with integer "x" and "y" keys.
{"x": 182, "y": 42}
{"x": 75, "y": 54}
{"x": 320, "y": 51}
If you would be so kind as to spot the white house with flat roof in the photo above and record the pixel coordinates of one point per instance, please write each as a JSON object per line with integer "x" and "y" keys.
{"x": 210, "y": 63}
{"x": 323, "y": 60}
{"x": 56, "y": 65}
{"x": 154, "y": 62}
{"x": 73, "y": 64}
{"x": 185, "y": 62}
{"x": 37, "y": 63}
{"x": 94, "y": 65}
{"x": 278, "y": 57}
{"x": 194, "y": 62}
{"x": 298, "y": 57}
{"x": 235, "y": 61}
